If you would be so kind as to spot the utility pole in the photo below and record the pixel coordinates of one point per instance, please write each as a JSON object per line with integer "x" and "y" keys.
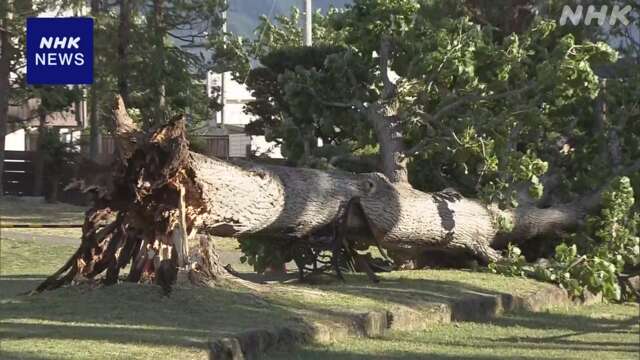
{"x": 308, "y": 23}
{"x": 223, "y": 82}
{"x": 213, "y": 120}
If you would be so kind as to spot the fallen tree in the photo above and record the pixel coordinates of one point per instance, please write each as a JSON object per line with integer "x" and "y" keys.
{"x": 532, "y": 135}
{"x": 160, "y": 194}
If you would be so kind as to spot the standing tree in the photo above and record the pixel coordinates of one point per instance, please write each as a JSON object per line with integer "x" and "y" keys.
{"x": 171, "y": 66}
{"x": 13, "y": 88}
{"x": 12, "y": 40}
{"x": 170, "y": 41}
{"x": 51, "y": 100}
{"x": 5, "y": 64}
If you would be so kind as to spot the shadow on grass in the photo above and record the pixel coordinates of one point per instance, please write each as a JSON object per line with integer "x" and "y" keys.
{"x": 135, "y": 314}
{"x": 14, "y": 285}
{"x": 516, "y": 336}
{"x": 601, "y": 332}
{"x": 552, "y": 332}
{"x": 576, "y": 323}
{"x": 140, "y": 315}
{"x": 357, "y": 292}
{"x": 20, "y": 355}
{"x": 404, "y": 355}
{"x": 410, "y": 291}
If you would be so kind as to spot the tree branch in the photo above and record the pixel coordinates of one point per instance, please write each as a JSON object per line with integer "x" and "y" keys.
{"x": 477, "y": 98}
{"x": 188, "y": 39}
{"x": 125, "y": 130}
{"x": 357, "y": 105}
{"x": 592, "y": 201}
{"x": 462, "y": 101}
{"x": 353, "y": 105}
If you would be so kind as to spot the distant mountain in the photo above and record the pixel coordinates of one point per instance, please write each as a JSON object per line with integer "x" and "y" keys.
{"x": 243, "y": 15}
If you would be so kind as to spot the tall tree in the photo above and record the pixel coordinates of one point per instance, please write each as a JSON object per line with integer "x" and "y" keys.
{"x": 172, "y": 41}
{"x": 13, "y": 15}
{"x": 5, "y": 50}
{"x": 94, "y": 120}
{"x": 157, "y": 31}
{"x": 169, "y": 42}
{"x": 52, "y": 99}
{"x": 124, "y": 34}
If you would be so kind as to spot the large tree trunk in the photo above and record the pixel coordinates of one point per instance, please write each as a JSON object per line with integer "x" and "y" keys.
{"x": 94, "y": 126}
{"x": 384, "y": 119}
{"x": 124, "y": 29}
{"x": 294, "y": 202}
{"x": 161, "y": 193}
{"x": 387, "y": 127}
{"x": 158, "y": 33}
{"x": 38, "y": 163}
{"x": 4, "y": 83}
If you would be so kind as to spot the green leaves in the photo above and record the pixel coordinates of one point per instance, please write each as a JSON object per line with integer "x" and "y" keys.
{"x": 513, "y": 263}
{"x": 529, "y": 169}
{"x": 367, "y": 21}
{"x": 263, "y": 253}
{"x": 593, "y": 259}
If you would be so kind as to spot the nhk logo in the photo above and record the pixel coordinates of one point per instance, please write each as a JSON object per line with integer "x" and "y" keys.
{"x": 52, "y": 58}
{"x": 618, "y": 14}
{"x": 60, "y": 50}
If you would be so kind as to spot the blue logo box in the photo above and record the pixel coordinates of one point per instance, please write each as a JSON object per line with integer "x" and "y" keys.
{"x": 59, "y": 50}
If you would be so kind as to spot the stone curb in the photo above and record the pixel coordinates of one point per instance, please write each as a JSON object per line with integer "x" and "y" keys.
{"x": 336, "y": 325}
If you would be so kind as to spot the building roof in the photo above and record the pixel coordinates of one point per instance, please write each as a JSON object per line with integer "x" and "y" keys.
{"x": 218, "y": 130}
{"x": 27, "y": 115}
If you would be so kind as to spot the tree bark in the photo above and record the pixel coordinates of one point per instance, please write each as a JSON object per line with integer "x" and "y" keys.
{"x": 158, "y": 32}
{"x": 38, "y": 163}
{"x": 385, "y": 121}
{"x": 5, "y": 48}
{"x": 124, "y": 29}
{"x": 241, "y": 199}
{"x": 387, "y": 127}
{"x": 94, "y": 126}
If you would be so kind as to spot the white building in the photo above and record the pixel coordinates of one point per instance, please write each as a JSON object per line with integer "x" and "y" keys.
{"x": 24, "y": 122}
{"x": 224, "y": 132}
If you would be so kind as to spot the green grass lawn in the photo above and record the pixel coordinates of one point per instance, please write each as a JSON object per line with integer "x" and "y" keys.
{"x": 24, "y": 263}
{"x": 129, "y": 321}
{"x": 125, "y": 321}
{"x": 21, "y": 211}
{"x": 591, "y": 332}
{"x": 404, "y": 288}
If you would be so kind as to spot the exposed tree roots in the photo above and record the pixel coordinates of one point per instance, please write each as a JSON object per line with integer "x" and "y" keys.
{"x": 141, "y": 217}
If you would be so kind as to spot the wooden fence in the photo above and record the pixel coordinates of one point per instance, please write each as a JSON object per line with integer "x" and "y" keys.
{"x": 18, "y": 174}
